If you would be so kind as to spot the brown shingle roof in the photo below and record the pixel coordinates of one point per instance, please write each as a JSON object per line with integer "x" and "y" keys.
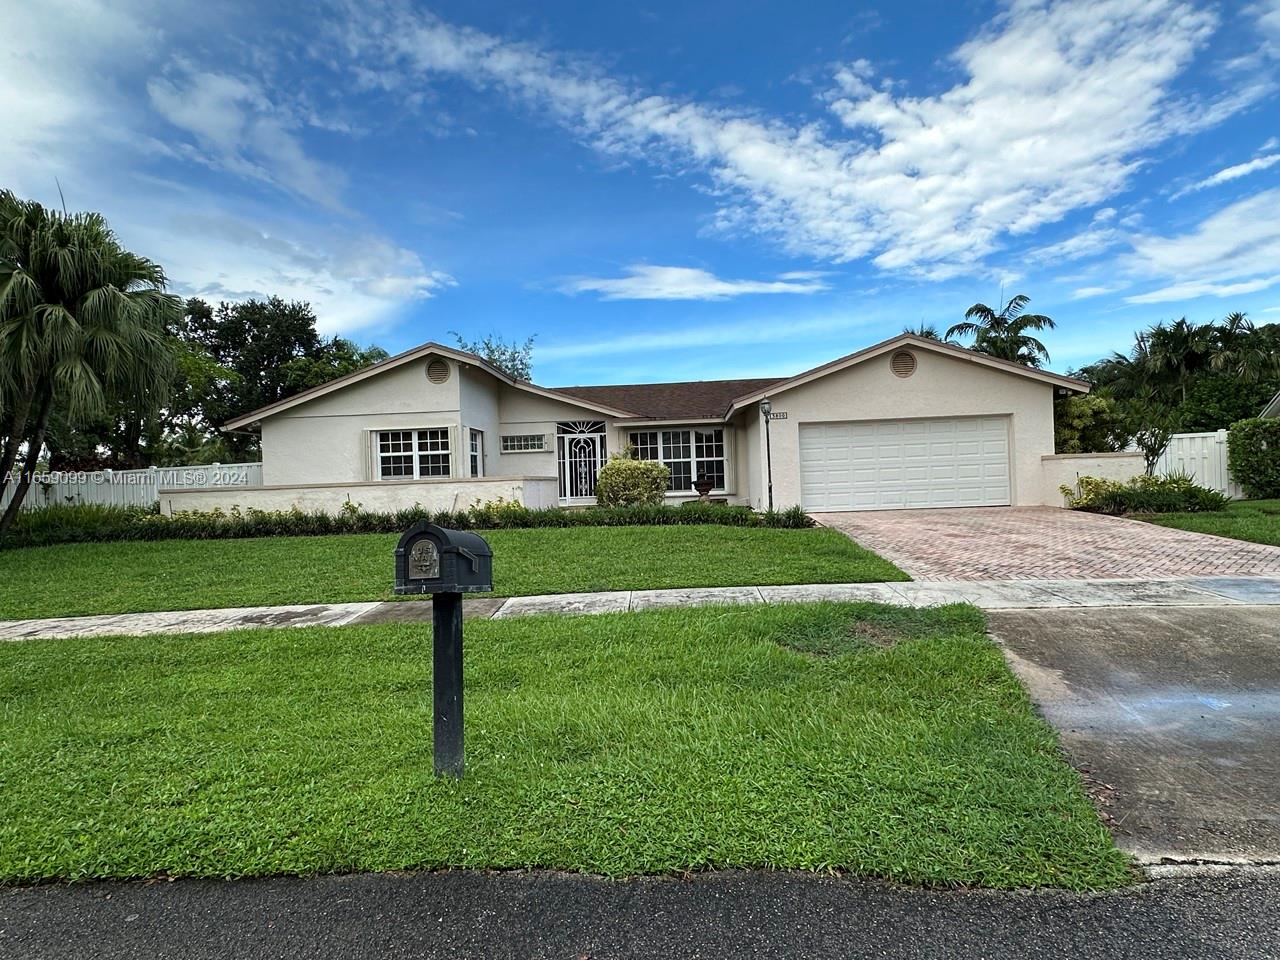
{"x": 694, "y": 400}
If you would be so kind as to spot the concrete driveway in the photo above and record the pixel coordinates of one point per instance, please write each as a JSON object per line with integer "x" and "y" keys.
{"x": 1045, "y": 543}
{"x": 1173, "y": 716}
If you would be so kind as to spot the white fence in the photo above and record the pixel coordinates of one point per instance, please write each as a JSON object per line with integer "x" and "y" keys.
{"x": 132, "y": 488}
{"x": 1204, "y": 456}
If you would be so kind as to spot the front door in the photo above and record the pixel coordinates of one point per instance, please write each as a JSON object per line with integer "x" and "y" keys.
{"x": 581, "y": 451}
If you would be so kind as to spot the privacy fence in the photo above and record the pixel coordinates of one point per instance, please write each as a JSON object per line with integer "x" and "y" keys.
{"x": 1204, "y": 456}
{"x": 132, "y": 488}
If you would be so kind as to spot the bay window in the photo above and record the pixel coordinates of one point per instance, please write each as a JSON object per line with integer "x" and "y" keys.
{"x": 413, "y": 454}
{"x": 689, "y": 454}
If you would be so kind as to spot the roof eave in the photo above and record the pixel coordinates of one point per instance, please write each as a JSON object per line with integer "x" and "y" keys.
{"x": 875, "y": 350}
{"x": 255, "y": 417}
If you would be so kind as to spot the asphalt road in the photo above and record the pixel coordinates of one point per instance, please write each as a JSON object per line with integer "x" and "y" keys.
{"x": 543, "y": 915}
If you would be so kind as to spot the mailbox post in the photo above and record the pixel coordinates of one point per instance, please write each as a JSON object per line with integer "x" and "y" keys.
{"x": 445, "y": 564}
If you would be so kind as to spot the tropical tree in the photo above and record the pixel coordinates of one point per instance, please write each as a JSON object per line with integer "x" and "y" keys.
{"x": 1243, "y": 351}
{"x": 1005, "y": 333}
{"x": 925, "y": 331}
{"x": 82, "y": 325}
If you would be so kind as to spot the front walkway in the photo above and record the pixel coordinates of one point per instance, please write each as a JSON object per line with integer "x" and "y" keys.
{"x": 1019, "y": 543}
{"x": 989, "y": 595}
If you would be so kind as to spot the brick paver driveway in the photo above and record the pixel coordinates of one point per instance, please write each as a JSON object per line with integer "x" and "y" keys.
{"x": 1044, "y": 543}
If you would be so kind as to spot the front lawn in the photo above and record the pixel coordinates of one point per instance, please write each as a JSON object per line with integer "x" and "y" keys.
{"x": 884, "y": 741}
{"x": 134, "y": 576}
{"x": 1256, "y": 520}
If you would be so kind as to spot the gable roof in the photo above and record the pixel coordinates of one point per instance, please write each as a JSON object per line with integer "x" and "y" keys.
{"x": 687, "y": 400}
{"x": 690, "y": 400}
{"x": 909, "y": 339}
{"x": 1272, "y": 409}
{"x": 426, "y": 349}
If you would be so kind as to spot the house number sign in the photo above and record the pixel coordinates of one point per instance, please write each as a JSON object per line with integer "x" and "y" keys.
{"x": 424, "y": 560}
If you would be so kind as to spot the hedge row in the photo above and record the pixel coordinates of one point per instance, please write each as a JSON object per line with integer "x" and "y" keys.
{"x": 89, "y": 523}
{"x": 1253, "y": 456}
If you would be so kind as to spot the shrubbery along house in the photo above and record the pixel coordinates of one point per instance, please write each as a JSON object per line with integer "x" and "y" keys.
{"x": 905, "y": 423}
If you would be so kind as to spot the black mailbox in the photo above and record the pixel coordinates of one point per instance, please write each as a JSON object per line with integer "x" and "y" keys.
{"x": 431, "y": 559}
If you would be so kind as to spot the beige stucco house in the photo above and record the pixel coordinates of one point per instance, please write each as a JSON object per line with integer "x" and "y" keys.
{"x": 905, "y": 423}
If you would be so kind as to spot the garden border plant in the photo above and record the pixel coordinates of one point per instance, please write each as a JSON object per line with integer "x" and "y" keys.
{"x": 1145, "y": 494}
{"x": 87, "y": 523}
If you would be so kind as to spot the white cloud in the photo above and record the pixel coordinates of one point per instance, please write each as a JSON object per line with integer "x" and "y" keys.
{"x": 84, "y": 86}
{"x": 1084, "y": 293}
{"x": 1232, "y": 252}
{"x": 646, "y": 282}
{"x": 354, "y": 281}
{"x": 1227, "y": 174}
{"x": 1058, "y": 102}
{"x": 241, "y": 130}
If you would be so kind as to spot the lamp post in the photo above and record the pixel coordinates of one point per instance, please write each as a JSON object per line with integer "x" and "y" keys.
{"x": 766, "y": 408}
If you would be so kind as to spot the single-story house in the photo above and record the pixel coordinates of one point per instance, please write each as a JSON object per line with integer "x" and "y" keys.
{"x": 905, "y": 423}
{"x": 1272, "y": 409}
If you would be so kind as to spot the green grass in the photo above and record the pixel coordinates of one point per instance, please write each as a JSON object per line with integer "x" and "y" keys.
{"x": 1255, "y": 520}
{"x": 130, "y": 577}
{"x": 618, "y": 744}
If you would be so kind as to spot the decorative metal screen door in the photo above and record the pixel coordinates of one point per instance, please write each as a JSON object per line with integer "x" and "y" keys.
{"x": 581, "y": 452}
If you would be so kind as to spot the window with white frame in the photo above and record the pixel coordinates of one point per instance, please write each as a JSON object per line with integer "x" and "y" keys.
{"x": 413, "y": 454}
{"x": 524, "y": 442}
{"x": 477, "y": 453}
{"x": 689, "y": 454}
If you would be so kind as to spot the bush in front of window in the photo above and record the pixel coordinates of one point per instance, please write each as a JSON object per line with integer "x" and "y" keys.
{"x": 624, "y": 482}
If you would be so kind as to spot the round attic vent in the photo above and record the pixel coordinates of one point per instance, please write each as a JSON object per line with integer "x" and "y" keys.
{"x": 903, "y": 363}
{"x": 437, "y": 371}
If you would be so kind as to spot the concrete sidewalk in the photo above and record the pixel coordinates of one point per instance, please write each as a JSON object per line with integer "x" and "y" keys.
{"x": 986, "y": 594}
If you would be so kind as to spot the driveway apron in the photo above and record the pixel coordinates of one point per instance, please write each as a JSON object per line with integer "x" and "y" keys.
{"x": 1172, "y": 714}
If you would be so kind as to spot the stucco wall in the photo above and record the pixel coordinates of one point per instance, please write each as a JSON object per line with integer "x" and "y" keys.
{"x": 751, "y": 488}
{"x": 327, "y": 440}
{"x": 479, "y": 411}
{"x": 941, "y": 386}
{"x": 1067, "y": 468}
{"x": 374, "y": 495}
{"x": 524, "y": 412}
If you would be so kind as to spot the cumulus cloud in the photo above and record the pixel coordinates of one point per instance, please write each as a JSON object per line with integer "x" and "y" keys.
{"x": 1231, "y": 252}
{"x": 646, "y": 282}
{"x": 92, "y": 95}
{"x": 1057, "y": 104}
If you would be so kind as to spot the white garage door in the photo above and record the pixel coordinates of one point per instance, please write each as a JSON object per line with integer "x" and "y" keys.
{"x": 895, "y": 464}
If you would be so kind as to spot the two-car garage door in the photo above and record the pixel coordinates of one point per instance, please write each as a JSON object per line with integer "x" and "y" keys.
{"x": 895, "y": 464}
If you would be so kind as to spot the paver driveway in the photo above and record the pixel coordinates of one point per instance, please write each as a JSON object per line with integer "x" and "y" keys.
{"x": 1045, "y": 543}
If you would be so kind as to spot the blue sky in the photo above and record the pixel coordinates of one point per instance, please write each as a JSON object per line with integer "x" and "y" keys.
{"x": 670, "y": 191}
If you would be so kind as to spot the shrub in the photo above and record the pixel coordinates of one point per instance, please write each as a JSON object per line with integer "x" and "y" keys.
{"x": 80, "y": 524}
{"x": 626, "y": 482}
{"x": 1253, "y": 456}
{"x": 1172, "y": 493}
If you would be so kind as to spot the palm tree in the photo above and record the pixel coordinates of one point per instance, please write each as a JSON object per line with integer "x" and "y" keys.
{"x": 82, "y": 324}
{"x": 1178, "y": 352}
{"x": 1239, "y": 350}
{"x": 1004, "y": 334}
{"x": 926, "y": 331}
